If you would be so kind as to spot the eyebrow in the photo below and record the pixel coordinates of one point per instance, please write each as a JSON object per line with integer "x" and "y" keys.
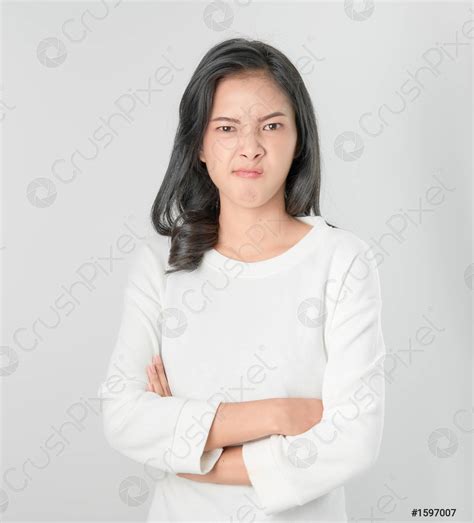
{"x": 235, "y": 120}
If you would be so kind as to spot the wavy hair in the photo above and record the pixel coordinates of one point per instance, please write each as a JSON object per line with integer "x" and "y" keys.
{"x": 187, "y": 204}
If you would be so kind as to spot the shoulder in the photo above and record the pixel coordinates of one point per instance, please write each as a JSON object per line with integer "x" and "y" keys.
{"x": 338, "y": 241}
{"x": 344, "y": 248}
{"x": 151, "y": 255}
{"x": 346, "y": 243}
{"x": 354, "y": 263}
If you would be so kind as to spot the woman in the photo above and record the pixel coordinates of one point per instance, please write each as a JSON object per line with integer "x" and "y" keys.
{"x": 248, "y": 366}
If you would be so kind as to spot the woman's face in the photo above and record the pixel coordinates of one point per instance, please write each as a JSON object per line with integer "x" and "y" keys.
{"x": 240, "y": 136}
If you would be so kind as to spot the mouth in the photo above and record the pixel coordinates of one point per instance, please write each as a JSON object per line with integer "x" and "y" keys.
{"x": 244, "y": 173}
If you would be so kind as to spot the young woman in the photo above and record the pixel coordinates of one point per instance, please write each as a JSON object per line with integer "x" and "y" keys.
{"x": 248, "y": 370}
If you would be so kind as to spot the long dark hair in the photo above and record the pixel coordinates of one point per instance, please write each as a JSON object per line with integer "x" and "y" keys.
{"x": 187, "y": 204}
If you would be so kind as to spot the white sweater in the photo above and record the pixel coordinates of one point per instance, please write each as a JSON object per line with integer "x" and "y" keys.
{"x": 306, "y": 323}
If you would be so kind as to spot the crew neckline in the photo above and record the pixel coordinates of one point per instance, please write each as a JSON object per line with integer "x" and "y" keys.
{"x": 269, "y": 266}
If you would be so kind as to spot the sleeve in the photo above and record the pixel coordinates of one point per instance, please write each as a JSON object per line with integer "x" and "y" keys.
{"x": 287, "y": 471}
{"x": 168, "y": 433}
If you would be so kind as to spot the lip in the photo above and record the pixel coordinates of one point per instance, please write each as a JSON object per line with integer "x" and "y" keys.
{"x": 245, "y": 173}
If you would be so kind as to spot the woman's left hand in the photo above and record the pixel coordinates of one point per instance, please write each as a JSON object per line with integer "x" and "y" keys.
{"x": 157, "y": 380}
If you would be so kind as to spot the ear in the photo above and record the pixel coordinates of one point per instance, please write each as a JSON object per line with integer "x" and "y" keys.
{"x": 201, "y": 156}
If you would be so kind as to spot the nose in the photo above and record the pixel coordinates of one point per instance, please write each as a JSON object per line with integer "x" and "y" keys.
{"x": 250, "y": 146}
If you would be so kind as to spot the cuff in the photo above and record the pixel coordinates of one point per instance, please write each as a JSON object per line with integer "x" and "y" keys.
{"x": 190, "y": 437}
{"x": 271, "y": 486}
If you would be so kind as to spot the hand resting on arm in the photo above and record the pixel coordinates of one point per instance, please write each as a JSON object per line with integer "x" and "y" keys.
{"x": 286, "y": 416}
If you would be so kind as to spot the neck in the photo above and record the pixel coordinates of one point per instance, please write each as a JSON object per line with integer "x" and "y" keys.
{"x": 246, "y": 228}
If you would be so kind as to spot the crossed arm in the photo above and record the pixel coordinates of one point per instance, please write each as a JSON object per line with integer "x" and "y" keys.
{"x": 255, "y": 440}
{"x": 263, "y": 418}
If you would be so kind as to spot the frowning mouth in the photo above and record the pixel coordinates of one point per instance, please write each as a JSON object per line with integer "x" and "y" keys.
{"x": 244, "y": 173}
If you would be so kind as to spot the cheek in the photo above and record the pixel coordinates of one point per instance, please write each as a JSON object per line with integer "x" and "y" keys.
{"x": 284, "y": 144}
{"x": 218, "y": 161}
{"x": 219, "y": 152}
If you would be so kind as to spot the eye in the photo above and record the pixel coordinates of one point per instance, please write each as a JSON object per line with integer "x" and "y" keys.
{"x": 224, "y": 127}
{"x": 275, "y": 123}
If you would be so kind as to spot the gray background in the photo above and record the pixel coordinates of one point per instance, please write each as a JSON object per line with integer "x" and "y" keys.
{"x": 62, "y": 222}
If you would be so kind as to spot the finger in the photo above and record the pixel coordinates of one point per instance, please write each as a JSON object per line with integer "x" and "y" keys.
{"x": 154, "y": 380}
{"x": 150, "y": 388}
{"x": 149, "y": 385}
{"x": 160, "y": 369}
{"x": 162, "y": 377}
{"x": 168, "y": 389}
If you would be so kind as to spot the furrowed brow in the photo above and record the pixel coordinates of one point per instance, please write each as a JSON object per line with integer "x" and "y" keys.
{"x": 235, "y": 120}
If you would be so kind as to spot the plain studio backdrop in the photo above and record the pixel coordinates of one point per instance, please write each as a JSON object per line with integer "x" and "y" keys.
{"x": 89, "y": 106}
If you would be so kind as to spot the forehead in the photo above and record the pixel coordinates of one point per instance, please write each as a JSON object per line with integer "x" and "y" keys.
{"x": 253, "y": 94}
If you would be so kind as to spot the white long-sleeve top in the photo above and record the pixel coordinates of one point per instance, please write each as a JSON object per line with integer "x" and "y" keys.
{"x": 306, "y": 323}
